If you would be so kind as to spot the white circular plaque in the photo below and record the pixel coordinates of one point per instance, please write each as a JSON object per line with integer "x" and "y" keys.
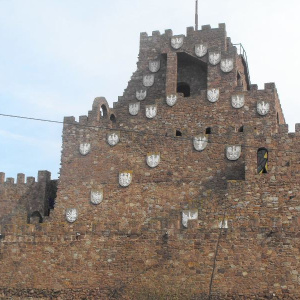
{"x": 84, "y": 148}
{"x": 96, "y": 196}
{"x": 153, "y": 160}
{"x": 238, "y": 101}
{"x": 227, "y": 65}
{"x": 213, "y": 95}
{"x": 71, "y": 215}
{"x": 263, "y": 107}
{"x": 125, "y": 178}
{"x": 171, "y": 100}
{"x": 200, "y": 142}
{"x": 113, "y": 139}
{"x": 233, "y": 152}
{"x": 200, "y": 50}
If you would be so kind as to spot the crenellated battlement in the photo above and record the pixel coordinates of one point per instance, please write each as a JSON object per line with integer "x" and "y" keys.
{"x": 96, "y": 118}
{"x": 268, "y": 87}
{"x": 21, "y": 201}
{"x": 43, "y": 176}
{"x": 189, "y": 31}
{"x": 192, "y": 157}
{"x": 100, "y": 113}
{"x": 200, "y": 60}
{"x": 215, "y": 38}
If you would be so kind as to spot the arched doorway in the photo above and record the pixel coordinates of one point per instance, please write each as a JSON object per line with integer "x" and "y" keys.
{"x": 184, "y": 88}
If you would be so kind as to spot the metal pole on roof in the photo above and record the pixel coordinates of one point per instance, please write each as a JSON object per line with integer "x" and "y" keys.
{"x": 196, "y": 15}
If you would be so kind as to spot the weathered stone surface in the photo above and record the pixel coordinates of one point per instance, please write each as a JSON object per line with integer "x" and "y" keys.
{"x": 133, "y": 245}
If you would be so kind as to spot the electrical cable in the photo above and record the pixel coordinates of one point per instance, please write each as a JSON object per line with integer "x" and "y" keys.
{"x": 133, "y": 131}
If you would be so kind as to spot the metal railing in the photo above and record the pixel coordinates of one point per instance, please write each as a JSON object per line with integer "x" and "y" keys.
{"x": 241, "y": 51}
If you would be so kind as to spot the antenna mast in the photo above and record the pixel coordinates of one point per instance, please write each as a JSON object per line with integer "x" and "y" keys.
{"x": 196, "y": 16}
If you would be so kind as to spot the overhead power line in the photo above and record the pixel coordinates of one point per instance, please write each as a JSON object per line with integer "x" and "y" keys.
{"x": 181, "y": 138}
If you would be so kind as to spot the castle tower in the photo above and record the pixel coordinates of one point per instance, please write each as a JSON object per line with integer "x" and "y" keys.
{"x": 187, "y": 187}
{"x": 189, "y": 107}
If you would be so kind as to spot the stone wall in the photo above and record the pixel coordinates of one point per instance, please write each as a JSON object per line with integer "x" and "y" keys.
{"x": 200, "y": 222}
{"x": 24, "y": 200}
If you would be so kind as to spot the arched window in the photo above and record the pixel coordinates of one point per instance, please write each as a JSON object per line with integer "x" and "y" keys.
{"x": 35, "y": 218}
{"x": 241, "y": 129}
{"x": 208, "y": 130}
{"x": 103, "y": 111}
{"x": 184, "y": 88}
{"x": 113, "y": 118}
{"x": 262, "y": 160}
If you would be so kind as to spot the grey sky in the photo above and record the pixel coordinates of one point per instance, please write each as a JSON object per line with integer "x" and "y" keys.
{"x": 56, "y": 56}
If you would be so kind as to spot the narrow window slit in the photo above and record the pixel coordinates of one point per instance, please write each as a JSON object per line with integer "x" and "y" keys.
{"x": 103, "y": 111}
{"x": 262, "y": 161}
{"x": 208, "y": 130}
{"x": 113, "y": 118}
{"x": 178, "y": 133}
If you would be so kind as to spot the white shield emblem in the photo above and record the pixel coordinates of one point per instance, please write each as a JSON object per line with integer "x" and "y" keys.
{"x": 148, "y": 80}
{"x": 200, "y": 50}
{"x": 153, "y": 159}
{"x": 71, "y": 215}
{"x": 141, "y": 95}
{"x": 227, "y": 65}
{"x": 189, "y": 215}
{"x": 151, "y": 111}
{"x": 237, "y": 101}
{"x": 263, "y": 107}
{"x": 125, "y": 178}
{"x": 134, "y": 108}
{"x": 84, "y": 148}
{"x": 177, "y": 42}
{"x": 171, "y": 100}
{"x": 96, "y": 196}
{"x": 200, "y": 142}
{"x": 213, "y": 95}
{"x": 214, "y": 57}
{"x": 113, "y": 138}
{"x": 154, "y": 65}
{"x": 233, "y": 152}
{"x": 223, "y": 225}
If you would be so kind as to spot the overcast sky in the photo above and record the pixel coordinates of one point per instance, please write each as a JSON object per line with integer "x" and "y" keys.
{"x": 56, "y": 56}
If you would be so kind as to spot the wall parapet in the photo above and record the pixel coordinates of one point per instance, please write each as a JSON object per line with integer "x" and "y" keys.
{"x": 43, "y": 176}
{"x": 100, "y": 113}
{"x": 189, "y": 30}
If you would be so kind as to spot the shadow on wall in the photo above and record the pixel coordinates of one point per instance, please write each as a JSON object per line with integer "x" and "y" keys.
{"x": 218, "y": 182}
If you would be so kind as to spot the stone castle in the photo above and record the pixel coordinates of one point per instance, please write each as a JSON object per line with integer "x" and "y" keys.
{"x": 188, "y": 188}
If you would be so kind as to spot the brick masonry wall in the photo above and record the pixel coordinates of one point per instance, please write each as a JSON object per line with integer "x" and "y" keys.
{"x": 134, "y": 245}
{"x": 18, "y": 201}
